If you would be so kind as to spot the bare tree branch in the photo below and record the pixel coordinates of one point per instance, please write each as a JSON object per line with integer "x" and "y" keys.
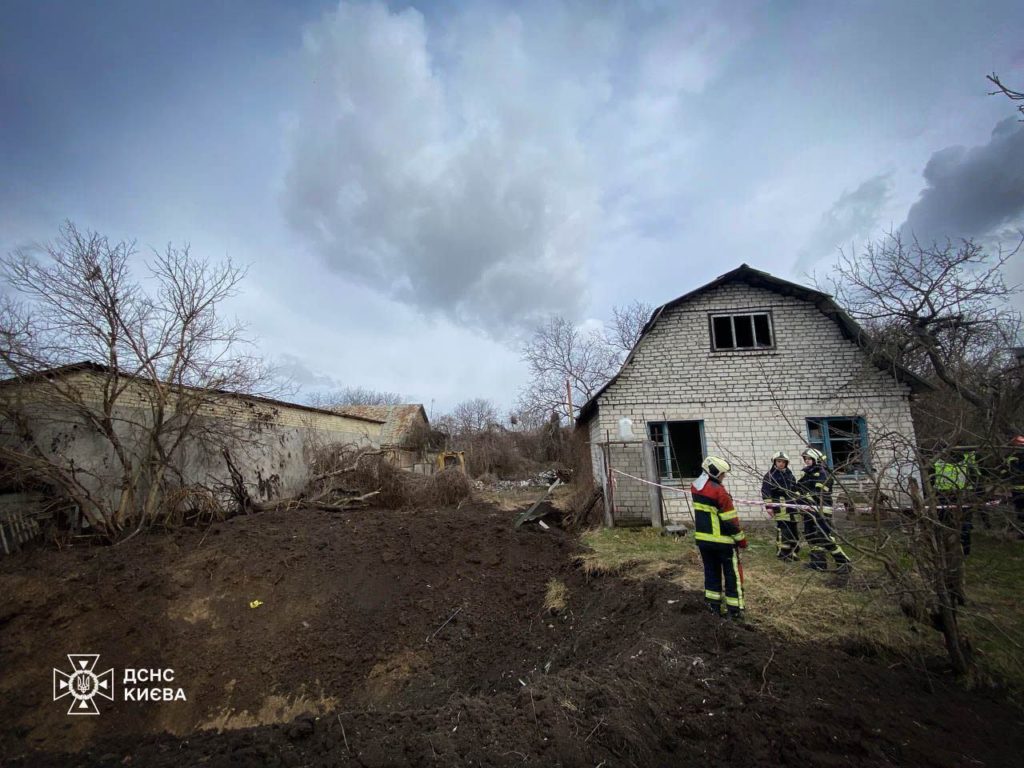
{"x": 559, "y": 353}
{"x": 355, "y": 396}
{"x": 943, "y": 311}
{"x": 1007, "y": 92}
{"x": 166, "y": 360}
{"x": 627, "y": 324}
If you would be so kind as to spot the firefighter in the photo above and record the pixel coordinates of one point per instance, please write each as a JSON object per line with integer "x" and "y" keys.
{"x": 719, "y": 536}
{"x": 815, "y": 489}
{"x": 954, "y": 482}
{"x": 777, "y": 488}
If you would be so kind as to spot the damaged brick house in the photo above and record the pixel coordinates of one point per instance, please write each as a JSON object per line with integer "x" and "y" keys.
{"x": 270, "y": 441}
{"x": 744, "y": 366}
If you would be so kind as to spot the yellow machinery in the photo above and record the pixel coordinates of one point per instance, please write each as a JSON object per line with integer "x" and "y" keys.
{"x": 449, "y": 459}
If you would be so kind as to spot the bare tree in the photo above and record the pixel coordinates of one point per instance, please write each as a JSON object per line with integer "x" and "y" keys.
{"x": 525, "y": 421}
{"x": 355, "y": 396}
{"x": 560, "y": 354}
{"x": 158, "y": 361}
{"x": 942, "y": 311}
{"x": 470, "y": 416}
{"x": 627, "y": 324}
{"x": 1007, "y": 92}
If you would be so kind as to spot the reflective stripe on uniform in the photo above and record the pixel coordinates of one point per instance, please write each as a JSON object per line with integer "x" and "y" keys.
{"x": 717, "y": 539}
{"x": 736, "y": 602}
{"x": 714, "y": 518}
{"x": 709, "y": 595}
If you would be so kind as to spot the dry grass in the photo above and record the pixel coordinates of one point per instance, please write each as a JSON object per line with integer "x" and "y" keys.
{"x": 556, "y": 597}
{"x": 994, "y": 614}
{"x": 399, "y": 488}
{"x": 190, "y": 505}
{"x": 343, "y": 471}
{"x": 862, "y": 616}
{"x": 636, "y": 553}
{"x": 808, "y": 606}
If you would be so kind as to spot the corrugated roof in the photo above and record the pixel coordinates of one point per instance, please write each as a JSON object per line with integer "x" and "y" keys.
{"x": 755, "y": 277}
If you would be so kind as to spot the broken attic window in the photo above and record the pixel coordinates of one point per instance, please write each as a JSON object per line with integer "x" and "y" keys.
{"x": 751, "y": 330}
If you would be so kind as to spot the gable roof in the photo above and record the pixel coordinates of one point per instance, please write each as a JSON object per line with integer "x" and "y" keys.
{"x": 396, "y": 419}
{"x": 758, "y": 279}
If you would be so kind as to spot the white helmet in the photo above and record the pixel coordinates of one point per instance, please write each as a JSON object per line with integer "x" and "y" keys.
{"x": 780, "y": 455}
{"x": 814, "y": 454}
{"x": 715, "y": 466}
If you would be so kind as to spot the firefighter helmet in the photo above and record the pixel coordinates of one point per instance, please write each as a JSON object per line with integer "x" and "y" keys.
{"x": 780, "y": 455}
{"x": 715, "y": 466}
{"x": 814, "y": 454}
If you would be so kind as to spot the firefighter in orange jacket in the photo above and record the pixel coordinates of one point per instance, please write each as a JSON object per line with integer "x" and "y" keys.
{"x": 719, "y": 536}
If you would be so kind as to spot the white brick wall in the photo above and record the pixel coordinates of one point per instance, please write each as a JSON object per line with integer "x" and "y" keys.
{"x": 753, "y": 403}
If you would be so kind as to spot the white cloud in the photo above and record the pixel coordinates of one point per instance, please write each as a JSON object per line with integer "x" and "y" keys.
{"x": 469, "y": 169}
{"x": 464, "y": 193}
{"x": 855, "y": 214}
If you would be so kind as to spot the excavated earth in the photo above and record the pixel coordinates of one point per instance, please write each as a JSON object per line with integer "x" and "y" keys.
{"x": 420, "y": 638}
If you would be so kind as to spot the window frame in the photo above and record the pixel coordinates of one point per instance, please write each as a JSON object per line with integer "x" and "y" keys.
{"x": 712, "y": 316}
{"x": 825, "y": 444}
{"x": 663, "y": 451}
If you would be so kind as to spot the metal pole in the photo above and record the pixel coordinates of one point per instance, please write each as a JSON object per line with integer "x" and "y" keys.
{"x": 654, "y": 490}
{"x": 609, "y": 500}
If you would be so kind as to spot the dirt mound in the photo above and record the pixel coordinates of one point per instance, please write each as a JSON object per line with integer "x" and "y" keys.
{"x": 420, "y": 638}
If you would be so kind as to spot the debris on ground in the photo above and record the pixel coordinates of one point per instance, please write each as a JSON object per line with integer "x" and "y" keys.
{"x": 433, "y": 637}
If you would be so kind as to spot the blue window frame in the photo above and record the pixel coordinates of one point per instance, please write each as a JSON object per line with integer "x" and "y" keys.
{"x": 678, "y": 447}
{"x": 843, "y": 439}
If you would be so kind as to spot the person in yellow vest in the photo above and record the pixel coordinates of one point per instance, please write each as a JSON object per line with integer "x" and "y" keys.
{"x": 953, "y": 481}
{"x": 719, "y": 535}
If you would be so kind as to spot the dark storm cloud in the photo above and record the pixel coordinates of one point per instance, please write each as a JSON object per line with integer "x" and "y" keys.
{"x": 972, "y": 191}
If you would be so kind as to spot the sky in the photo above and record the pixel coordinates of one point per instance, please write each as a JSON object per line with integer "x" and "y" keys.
{"x": 414, "y": 185}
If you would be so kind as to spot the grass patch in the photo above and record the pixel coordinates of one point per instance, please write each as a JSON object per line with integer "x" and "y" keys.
{"x": 994, "y": 614}
{"x": 634, "y": 552}
{"x": 556, "y": 597}
{"x": 807, "y": 606}
{"x": 863, "y": 616}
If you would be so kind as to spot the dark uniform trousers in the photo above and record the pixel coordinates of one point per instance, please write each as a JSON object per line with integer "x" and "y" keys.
{"x": 723, "y": 574}
{"x": 816, "y": 485}
{"x": 820, "y": 537}
{"x": 787, "y": 536}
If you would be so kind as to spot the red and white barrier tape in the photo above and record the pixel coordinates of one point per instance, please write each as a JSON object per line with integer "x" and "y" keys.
{"x": 769, "y": 506}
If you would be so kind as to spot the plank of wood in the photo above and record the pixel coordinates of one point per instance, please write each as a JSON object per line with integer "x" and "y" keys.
{"x": 530, "y": 514}
{"x": 3, "y": 535}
